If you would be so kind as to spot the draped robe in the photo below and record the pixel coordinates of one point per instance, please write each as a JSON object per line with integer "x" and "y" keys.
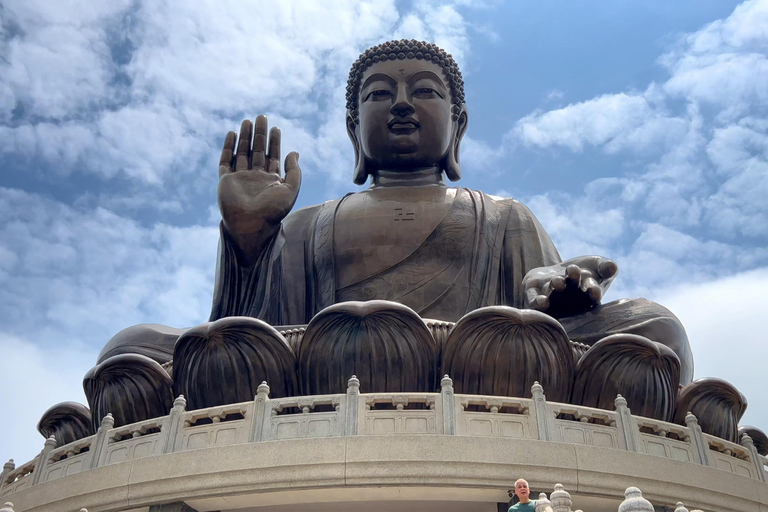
{"x": 476, "y": 256}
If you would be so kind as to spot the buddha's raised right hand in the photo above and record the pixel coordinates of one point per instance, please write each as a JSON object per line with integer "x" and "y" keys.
{"x": 252, "y": 196}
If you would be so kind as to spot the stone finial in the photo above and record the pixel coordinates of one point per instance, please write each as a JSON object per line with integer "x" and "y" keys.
{"x": 680, "y": 507}
{"x": 620, "y": 402}
{"x": 537, "y": 388}
{"x": 353, "y": 383}
{"x": 180, "y": 402}
{"x": 51, "y": 442}
{"x": 263, "y": 389}
{"x": 446, "y": 382}
{"x": 543, "y": 504}
{"x": 634, "y": 501}
{"x": 746, "y": 441}
{"x": 8, "y": 507}
{"x": 108, "y": 421}
{"x": 9, "y": 466}
{"x": 690, "y": 418}
{"x": 561, "y": 499}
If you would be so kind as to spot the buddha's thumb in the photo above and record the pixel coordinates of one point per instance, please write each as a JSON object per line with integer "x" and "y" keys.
{"x": 292, "y": 170}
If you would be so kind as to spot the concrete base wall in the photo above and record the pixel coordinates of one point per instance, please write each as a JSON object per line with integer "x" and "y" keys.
{"x": 454, "y": 472}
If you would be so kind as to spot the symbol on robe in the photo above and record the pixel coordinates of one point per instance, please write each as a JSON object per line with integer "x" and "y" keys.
{"x": 404, "y": 214}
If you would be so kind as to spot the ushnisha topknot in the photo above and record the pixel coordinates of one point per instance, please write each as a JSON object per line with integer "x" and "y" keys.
{"x": 405, "y": 49}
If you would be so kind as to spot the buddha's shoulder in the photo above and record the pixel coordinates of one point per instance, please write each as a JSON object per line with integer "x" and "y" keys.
{"x": 299, "y": 222}
{"x": 509, "y": 203}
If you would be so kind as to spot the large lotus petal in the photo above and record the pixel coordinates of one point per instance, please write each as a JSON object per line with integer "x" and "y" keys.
{"x": 385, "y": 344}
{"x": 499, "y": 350}
{"x": 223, "y": 362}
{"x": 67, "y": 422}
{"x": 130, "y": 386}
{"x": 716, "y": 403}
{"x": 758, "y": 437}
{"x": 152, "y": 340}
{"x": 644, "y": 372}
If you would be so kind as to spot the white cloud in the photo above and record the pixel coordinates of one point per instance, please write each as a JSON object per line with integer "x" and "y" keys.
{"x": 725, "y": 321}
{"x": 725, "y": 62}
{"x": 61, "y": 65}
{"x": 700, "y": 165}
{"x": 616, "y": 122}
{"x": 73, "y": 275}
{"x": 72, "y": 278}
{"x": 33, "y": 379}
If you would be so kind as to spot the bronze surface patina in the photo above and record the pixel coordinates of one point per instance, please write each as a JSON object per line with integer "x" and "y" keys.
{"x": 372, "y": 284}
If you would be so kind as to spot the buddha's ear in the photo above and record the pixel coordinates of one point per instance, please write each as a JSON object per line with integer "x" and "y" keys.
{"x": 353, "y": 130}
{"x": 452, "y": 166}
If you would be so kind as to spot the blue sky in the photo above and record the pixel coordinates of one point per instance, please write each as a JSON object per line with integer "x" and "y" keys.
{"x": 633, "y": 130}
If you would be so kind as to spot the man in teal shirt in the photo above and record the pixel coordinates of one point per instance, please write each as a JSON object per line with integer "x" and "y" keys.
{"x": 523, "y": 493}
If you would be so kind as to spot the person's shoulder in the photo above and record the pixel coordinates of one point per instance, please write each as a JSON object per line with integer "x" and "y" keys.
{"x": 531, "y": 505}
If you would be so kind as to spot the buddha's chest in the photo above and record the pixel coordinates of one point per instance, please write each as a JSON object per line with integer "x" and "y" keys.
{"x": 376, "y": 229}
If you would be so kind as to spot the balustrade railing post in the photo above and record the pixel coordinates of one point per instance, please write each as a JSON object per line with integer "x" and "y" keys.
{"x": 259, "y": 411}
{"x": 542, "y": 503}
{"x": 700, "y": 447}
{"x": 7, "y": 468}
{"x": 749, "y": 444}
{"x": 545, "y": 422}
{"x": 99, "y": 443}
{"x": 448, "y": 406}
{"x": 634, "y": 501}
{"x": 175, "y": 425}
{"x": 561, "y": 499}
{"x": 629, "y": 431}
{"x": 351, "y": 408}
{"x": 42, "y": 461}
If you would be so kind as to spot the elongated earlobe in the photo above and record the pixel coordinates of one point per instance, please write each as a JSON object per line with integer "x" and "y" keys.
{"x": 360, "y": 173}
{"x": 452, "y": 166}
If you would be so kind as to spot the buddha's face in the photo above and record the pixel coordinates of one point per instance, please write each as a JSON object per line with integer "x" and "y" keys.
{"x": 405, "y": 115}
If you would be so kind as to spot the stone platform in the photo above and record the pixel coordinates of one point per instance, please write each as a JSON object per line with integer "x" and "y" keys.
{"x": 383, "y": 451}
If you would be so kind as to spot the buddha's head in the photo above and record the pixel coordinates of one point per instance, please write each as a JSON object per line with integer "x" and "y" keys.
{"x": 405, "y": 109}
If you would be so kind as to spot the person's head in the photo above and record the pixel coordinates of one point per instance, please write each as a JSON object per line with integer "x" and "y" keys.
{"x": 522, "y": 491}
{"x": 405, "y": 109}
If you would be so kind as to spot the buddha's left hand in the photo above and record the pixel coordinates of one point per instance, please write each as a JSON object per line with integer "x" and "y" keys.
{"x": 571, "y": 287}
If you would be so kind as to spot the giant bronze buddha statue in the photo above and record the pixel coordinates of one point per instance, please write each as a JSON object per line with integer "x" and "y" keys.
{"x": 409, "y": 238}
{"x": 403, "y": 282}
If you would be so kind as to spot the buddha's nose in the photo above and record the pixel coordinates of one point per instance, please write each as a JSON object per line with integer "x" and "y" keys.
{"x": 402, "y": 106}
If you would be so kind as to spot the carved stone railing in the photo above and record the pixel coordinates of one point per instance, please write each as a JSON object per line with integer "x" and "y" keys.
{"x": 354, "y": 413}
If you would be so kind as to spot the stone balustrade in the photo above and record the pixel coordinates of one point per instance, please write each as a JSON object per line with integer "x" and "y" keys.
{"x": 371, "y": 414}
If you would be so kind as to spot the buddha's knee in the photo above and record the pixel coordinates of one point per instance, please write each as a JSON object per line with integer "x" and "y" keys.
{"x": 634, "y": 316}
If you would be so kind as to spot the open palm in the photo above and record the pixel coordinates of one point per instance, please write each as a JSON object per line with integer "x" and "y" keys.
{"x": 253, "y": 197}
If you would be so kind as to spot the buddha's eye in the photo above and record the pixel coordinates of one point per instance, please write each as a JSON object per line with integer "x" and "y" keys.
{"x": 379, "y": 95}
{"x": 426, "y": 92}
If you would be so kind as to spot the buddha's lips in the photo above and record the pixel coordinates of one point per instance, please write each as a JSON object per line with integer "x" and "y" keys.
{"x": 404, "y": 126}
